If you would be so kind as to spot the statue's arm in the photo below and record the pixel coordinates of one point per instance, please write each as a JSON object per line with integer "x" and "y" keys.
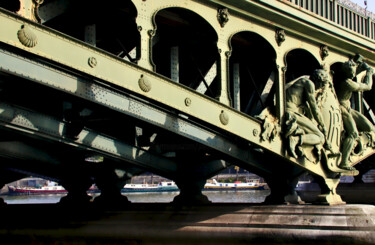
{"x": 359, "y": 87}
{"x": 367, "y": 81}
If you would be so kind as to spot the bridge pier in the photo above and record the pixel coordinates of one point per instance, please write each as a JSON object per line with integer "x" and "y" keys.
{"x": 328, "y": 191}
{"x": 192, "y": 176}
{"x": 77, "y": 186}
{"x": 110, "y": 183}
{"x": 282, "y": 190}
{"x": 190, "y": 192}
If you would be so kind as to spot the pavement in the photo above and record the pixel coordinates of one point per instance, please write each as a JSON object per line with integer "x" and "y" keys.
{"x": 168, "y": 224}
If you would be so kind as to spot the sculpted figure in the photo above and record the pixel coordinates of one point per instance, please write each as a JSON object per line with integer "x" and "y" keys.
{"x": 354, "y": 121}
{"x": 300, "y": 105}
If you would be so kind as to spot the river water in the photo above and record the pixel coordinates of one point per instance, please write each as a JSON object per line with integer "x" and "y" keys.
{"x": 250, "y": 196}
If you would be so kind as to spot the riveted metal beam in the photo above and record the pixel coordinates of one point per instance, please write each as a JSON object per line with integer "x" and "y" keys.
{"x": 45, "y": 127}
{"x": 101, "y": 94}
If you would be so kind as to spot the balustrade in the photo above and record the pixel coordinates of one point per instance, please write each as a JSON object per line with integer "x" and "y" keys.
{"x": 342, "y": 12}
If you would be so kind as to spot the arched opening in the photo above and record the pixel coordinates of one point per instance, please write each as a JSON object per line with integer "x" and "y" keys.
{"x": 109, "y": 26}
{"x": 299, "y": 62}
{"x": 185, "y": 50}
{"x": 253, "y": 73}
{"x": 11, "y": 5}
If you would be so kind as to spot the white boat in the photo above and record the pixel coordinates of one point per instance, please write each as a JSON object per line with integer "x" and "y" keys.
{"x": 18, "y": 190}
{"x": 161, "y": 187}
{"x": 237, "y": 185}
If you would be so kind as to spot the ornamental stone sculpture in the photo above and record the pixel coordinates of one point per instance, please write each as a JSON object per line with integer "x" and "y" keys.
{"x": 301, "y": 108}
{"x": 354, "y": 122}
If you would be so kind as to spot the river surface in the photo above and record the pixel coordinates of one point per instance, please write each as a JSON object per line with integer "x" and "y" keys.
{"x": 251, "y": 196}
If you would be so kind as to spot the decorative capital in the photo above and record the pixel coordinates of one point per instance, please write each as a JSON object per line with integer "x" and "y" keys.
{"x": 324, "y": 51}
{"x": 222, "y": 16}
{"x": 280, "y": 36}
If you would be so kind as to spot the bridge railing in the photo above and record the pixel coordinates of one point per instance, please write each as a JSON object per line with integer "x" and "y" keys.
{"x": 342, "y": 12}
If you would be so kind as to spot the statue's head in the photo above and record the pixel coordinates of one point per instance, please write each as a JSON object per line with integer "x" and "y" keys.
{"x": 349, "y": 69}
{"x": 320, "y": 76}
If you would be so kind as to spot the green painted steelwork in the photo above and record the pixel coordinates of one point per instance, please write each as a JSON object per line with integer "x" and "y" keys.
{"x": 97, "y": 77}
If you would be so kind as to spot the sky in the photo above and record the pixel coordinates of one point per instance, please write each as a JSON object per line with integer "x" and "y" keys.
{"x": 370, "y": 4}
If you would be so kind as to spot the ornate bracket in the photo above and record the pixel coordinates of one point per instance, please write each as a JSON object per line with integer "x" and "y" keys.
{"x": 222, "y": 16}
{"x": 37, "y": 3}
{"x": 280, "y": 36}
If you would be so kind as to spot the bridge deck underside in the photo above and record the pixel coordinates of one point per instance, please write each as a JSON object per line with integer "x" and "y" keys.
{"x": 108, "y": 119}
